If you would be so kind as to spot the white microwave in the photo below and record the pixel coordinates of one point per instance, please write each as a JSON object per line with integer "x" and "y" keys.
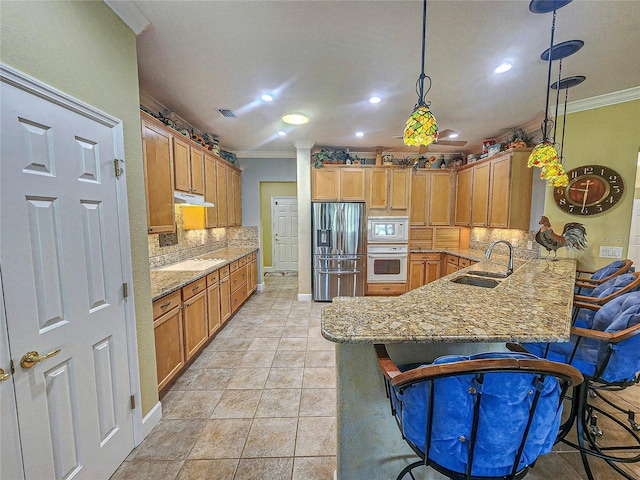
{"x": 388, "y": 229}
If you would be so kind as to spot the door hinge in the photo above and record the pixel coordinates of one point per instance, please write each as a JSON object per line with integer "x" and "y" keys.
{"x": 13, "y": 370}
{"x": 133, "y": 402}
{"x": 125, "y": 290}
{"x": 117, "y": 168}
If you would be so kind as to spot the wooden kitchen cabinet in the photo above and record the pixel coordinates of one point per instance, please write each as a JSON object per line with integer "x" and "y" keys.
{"x": 158, "y": 176}
{"x": 252, "y": 273}
{"x": 221, "y": 193}
{"x": 334, "y": 183}
{"x": 234, "y": 197}
{"x": 194, "y": 303}
{"x": 388, "y": 190}
{"x": 167, "y": 329}
{"x": 210, "y": 191}
{"x": 213, "y": 302}
{"x": 480, "y": 195}
{"x": 464, "y": 184}
{"x": 238, "y": 280}
{"x": 188, "y": 166}
{"x": 451, "y": 264}
{"x": 511, "y": 186}
{"x": 431, "y": 198}
{"x": 496, "y": 192}
{"x": 423, "y": 268}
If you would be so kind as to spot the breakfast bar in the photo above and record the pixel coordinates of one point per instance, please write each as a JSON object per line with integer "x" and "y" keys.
{"x": 533, "y": 304}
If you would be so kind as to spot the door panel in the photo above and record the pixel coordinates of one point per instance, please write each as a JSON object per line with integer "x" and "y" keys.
{"x": 284, "y": 211}
{"x": 62, "y": 279}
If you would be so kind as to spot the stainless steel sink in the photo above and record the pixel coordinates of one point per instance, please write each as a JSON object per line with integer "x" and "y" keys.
{"x": 482, "y": 273}
{"x": 476, "y": 281}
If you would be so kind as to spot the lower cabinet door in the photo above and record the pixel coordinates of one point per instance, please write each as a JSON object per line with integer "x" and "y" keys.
{"x": 213, "y": 308}
{"x": 196, "y": 331}
{"x": 169, "y": 347}
{"x": 225, "y": 299}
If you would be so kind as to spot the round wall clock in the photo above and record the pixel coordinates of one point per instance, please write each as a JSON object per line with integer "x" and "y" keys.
{"x": 592, "y": 189}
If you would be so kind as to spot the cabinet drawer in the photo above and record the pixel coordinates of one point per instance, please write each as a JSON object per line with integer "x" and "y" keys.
{"x": 213, "y": 278}
{"x": 386, "y": 288}
{"x": 452, "y": 260}
{"x": 463, "y": 262}
{"x": 194, "y": 288}
{"x": 233, "y": 266}
{"x": 224, "y": 272}
{"x": 238, "y": 297}
{"x": 238, "y": 278}
{"x": 425, "y": 256}
{"x": 242, "y": 261}
{"x": 166, "y": 303}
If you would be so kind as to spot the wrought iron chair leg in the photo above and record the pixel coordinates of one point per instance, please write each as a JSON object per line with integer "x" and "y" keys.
{"x": 408, "y": 469}
{"x": 631, "y": 416}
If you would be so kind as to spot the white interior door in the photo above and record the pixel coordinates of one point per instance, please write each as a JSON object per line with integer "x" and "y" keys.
{"x": 62, "y": 277}
{"x": 284, "y": 226}
{"x": 634, "y": 237}
{"x": 10, "y": 457}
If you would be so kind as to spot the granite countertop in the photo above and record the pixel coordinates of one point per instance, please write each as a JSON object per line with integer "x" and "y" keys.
{"x": 164, "y": 282}
{"x": 531, "y": 305}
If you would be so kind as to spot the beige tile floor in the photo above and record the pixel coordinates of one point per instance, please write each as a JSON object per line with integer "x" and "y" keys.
{"x": 258, "y": 403}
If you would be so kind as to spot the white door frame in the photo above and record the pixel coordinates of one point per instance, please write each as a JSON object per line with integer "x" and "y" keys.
{"x": 35, "y": 87}
{"x": 273, "y": 242}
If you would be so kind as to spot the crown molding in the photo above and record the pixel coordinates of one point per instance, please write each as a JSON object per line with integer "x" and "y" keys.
{"x": 605, "y": 100}
{"x": 130, "y": 14}
{"x": 265, "y": 154}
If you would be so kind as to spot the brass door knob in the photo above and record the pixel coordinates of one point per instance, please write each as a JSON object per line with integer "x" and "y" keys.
{"x": 29, "y": 359}
{"x": 4, "y": 376}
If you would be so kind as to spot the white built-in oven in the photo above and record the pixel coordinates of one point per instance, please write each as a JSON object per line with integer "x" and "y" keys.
{"x": 388, "y": 229}
{"x": 387, "y": 263}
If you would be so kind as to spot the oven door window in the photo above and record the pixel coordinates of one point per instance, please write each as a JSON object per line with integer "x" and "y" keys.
{"x": 386, "y": 266}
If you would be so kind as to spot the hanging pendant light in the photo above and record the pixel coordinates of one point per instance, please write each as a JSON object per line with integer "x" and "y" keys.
{"x": 421, "y": 128}
{"x": 544, "y": 155}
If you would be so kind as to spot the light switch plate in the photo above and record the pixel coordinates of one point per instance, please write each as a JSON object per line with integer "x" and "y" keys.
{"x": 610, "y": 252}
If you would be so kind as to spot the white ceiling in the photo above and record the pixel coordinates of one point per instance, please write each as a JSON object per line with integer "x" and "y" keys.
{"x": 326, "y": 58}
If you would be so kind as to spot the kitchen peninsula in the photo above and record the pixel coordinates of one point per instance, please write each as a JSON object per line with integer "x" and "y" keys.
{"x": 442, "y": 317}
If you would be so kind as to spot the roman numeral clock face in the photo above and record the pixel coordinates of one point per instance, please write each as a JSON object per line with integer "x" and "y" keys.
{"x": 592, "y": 189}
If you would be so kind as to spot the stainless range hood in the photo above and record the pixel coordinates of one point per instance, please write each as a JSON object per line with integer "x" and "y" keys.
{"x": 186, "y": 199}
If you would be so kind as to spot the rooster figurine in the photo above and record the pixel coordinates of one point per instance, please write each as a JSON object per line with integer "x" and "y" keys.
{"x": 574, "y": 237}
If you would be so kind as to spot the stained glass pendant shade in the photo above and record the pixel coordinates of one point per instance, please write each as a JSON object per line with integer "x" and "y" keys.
{"x": 421, "y": 128}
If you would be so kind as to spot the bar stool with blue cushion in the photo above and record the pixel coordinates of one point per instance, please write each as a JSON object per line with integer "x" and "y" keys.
{"x": 485, "y": 416}
{"x": 587, "y": 280}
{"x": 608, "y": 355}
{"x": 603, "y": 293}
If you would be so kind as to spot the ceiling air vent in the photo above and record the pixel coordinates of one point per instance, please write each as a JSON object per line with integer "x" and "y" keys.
{"x": 225, "y": 112}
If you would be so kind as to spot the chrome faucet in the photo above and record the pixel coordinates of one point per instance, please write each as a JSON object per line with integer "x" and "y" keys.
{"x": 488, "y": 254}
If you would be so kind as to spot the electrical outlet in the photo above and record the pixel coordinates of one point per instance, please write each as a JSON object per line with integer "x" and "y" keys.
{"x": 529, "y": 245}
{"x": 515, "y": 242}
{"x": 610, "y": 252}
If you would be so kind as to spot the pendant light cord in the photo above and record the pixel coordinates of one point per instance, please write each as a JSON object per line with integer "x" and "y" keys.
{"x": 420, "y": 83}
{"x": 546, "y": 122}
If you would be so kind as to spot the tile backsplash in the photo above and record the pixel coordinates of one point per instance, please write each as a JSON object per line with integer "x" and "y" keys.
{"x": 192, "y": 243}
{"x": 481, "y": 238}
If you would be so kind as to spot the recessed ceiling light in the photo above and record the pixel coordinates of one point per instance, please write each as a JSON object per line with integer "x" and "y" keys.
{"x": 359, "y": 134}
{"x": 503, "y": 67}
{"x": 282, "y": 133}
{"x": 295, "y": 119}
{"x": 375, "y": 99}
{"x": 266, "y": 97}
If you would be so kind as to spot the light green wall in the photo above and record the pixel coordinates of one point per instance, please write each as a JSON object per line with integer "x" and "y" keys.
{"x": 607, "y": 136}
{"x": 268, "y": 190}
{"x": 85, "y": 50}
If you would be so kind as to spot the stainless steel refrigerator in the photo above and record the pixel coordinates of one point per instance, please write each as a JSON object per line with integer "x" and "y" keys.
{"x": 339, "y": 232}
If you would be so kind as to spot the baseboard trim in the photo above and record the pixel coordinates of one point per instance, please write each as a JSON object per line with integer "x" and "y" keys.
{"x": 260, "y": 287}
{"x": 151, "y": 419}
{"x": 304, "y": 297}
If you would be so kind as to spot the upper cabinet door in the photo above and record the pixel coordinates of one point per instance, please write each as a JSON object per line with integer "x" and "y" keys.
{"x": 464, "y": 184}
{"x": 400, "y": 188}
{"x": 480, "y": 195}
{"x": 210, "y": 191}
{"x": 181, "y": 165}
{"x": 221, "y": 183}
{"x": 440, "y": 198}
{"x": 419, "y": 186}
{"x": 377, "y": 188}
{"x": 352, "y": 184}
{"x": 197, "y": 171}
{"x": 325, "y": 184}
{"x": 158, "y": 175}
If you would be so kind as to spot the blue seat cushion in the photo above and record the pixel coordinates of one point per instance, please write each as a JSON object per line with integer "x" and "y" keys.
{"x": 623, "y": 358}
{"x": 585, "y": 317}
{"x": 504, "y": 412}
{"x": 604, "y": 272}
